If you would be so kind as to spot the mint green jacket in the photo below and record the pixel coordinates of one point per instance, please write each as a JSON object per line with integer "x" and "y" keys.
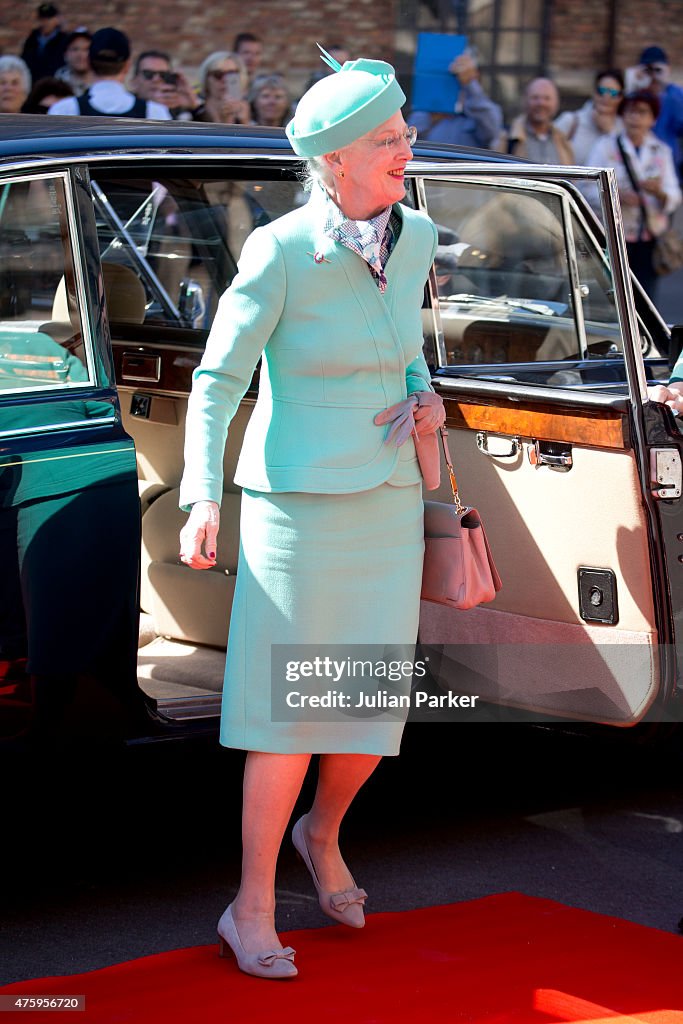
{"x": 336, "y": 351}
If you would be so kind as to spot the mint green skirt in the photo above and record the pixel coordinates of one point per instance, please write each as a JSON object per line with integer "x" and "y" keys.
{"x": 320, "y": 573}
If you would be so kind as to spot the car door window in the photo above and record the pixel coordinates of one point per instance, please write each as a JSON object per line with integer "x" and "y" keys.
{"x": 42, "y": 345}
{"x": 180, "y": 239}
{"x": 523, "y": 290}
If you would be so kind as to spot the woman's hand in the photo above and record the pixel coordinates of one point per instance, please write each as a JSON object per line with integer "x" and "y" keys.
{"x": 422, "y": 412}
{"x": 671, "y": 395}
{"x": 234, "y": 111}
{"x": 200, "y": 529}
{"x": 430, "y": 413}
{"x": 401, "y": 418}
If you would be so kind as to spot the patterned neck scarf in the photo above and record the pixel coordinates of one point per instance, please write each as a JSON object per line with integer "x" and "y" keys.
{"x": 372, "y": 239}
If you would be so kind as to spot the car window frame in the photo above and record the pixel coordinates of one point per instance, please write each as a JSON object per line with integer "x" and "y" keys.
{"x": 17, "y": 176}
{"x": 549, "y": 178}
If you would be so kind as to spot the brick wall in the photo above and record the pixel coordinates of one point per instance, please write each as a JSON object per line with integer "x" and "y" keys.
{"x": 192, "y": 29}
{"x": 578, "y": 41}
{"x": 579, "y": 37}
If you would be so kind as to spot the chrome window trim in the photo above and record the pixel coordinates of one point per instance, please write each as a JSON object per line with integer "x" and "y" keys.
{"x": 574, "y": 279}
{"x": 48, "y": 428}
{"x": 81, "y": 291}
{"x": 623, "y": 293}
{"x": 153, "y": 156}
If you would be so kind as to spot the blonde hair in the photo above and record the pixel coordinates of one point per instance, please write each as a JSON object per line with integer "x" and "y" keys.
{"x": 217, "y": 58}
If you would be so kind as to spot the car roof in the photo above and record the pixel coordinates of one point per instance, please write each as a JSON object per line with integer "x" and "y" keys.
{"x": 34, "y": 135}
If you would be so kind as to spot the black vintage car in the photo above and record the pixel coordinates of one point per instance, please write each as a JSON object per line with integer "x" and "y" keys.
{"x": 116, "y": 240}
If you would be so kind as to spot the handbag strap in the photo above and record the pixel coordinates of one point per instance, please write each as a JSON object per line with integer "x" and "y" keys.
{"x": 635, "y": 184}
{"x": 459, "y": 507}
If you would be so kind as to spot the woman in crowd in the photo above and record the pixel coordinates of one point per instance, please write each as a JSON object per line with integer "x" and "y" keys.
{"x": 331, "y": 545}
{"x": 44, "y": 94}
{"x": 270, "y": 101}
{"x": 648, "y": 186}
{"x": 223, "y": 83}
{"x": 597, "y": 117}
{"x": 15, "y": 84}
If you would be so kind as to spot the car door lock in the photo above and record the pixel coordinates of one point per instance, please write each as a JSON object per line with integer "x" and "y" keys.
{"x": 550, "y": 453}
{"x": 598, "y": 595}
{"x": 666, "y": 472}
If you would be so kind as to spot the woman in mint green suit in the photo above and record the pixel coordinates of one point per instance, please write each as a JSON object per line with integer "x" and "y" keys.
{"x": 331, "y": 526}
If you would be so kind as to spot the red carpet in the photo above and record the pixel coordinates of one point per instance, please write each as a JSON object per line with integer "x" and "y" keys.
{"x": 507, "y": 959}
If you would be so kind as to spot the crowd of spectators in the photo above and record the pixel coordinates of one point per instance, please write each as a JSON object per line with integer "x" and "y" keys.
{"x": 633, "y": 121}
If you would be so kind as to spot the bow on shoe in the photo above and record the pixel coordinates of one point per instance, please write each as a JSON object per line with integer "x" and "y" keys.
{"x": 268, "y": 959}
{"x": 341, "y": 900}
{"x": 422, "y": 412}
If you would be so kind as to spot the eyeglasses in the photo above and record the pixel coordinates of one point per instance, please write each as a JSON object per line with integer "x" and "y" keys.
{"x": 169, "y": 77}
{"x": 395, "y": 140}
{"x": 221, "y": 75}
{"x": 605, "y": 90}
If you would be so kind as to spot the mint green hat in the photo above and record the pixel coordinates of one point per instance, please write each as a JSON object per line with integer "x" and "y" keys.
{"x": 340, "y": 108}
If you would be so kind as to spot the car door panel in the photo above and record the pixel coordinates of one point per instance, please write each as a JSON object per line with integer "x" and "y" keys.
{"x": 545, "y": 524}
{"x": 557, "y": 472}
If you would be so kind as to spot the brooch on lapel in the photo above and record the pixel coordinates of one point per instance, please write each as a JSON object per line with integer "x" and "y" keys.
{"x": 318, "y": 257}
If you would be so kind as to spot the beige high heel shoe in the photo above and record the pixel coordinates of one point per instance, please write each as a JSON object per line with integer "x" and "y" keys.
{"x": 274, "y": 964}
{"x": 345, "y": 906}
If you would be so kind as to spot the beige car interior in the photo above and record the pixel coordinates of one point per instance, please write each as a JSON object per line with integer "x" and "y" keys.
{"x": 185, "y": 613}
{"x": 528, "y": 648}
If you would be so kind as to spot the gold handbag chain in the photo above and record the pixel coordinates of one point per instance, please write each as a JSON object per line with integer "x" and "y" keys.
{"x": 459, "y": 507}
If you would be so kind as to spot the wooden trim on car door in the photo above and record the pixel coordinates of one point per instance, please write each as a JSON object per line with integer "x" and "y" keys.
{"x": 596, "y": 428}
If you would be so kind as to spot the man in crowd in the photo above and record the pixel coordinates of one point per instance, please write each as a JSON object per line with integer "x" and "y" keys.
{"x": 155, "y": 80}
{"x": 110, "y": 63}
{"x": 476, "y": 120}
{"x": 653, "y": 73}
{"x": 532, "y": 135}
{"x": 76, "y": 70}
{"x": 250, "y": 48}
{"x": 44, "y": 48}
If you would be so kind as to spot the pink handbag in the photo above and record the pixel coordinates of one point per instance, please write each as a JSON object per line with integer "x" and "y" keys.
{"x": 459, "y": 570}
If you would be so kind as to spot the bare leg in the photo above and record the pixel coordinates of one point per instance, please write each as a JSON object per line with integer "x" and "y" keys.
{"x": 339, "y": 779}
{"x": 271, "y": 786}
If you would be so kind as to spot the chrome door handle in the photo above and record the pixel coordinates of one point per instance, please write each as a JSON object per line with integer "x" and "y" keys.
{"x": 483, "y": 446}
{"x": 541, "y": 455}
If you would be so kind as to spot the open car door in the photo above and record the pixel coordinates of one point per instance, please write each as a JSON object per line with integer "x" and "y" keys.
{"x": 69, "y": 508}
{"x": 538, "y": 354}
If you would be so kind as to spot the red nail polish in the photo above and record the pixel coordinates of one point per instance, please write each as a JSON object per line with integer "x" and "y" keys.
{"x": 212, "y": 554}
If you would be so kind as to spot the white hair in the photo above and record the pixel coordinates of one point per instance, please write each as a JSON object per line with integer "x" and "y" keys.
{"x": 10, "y": 63}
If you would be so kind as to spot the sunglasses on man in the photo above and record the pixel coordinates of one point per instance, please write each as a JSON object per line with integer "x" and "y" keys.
{"x": 169, "y": 77}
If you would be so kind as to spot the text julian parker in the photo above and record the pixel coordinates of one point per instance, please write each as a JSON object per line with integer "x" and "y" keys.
{"x": 380, "y": 699}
